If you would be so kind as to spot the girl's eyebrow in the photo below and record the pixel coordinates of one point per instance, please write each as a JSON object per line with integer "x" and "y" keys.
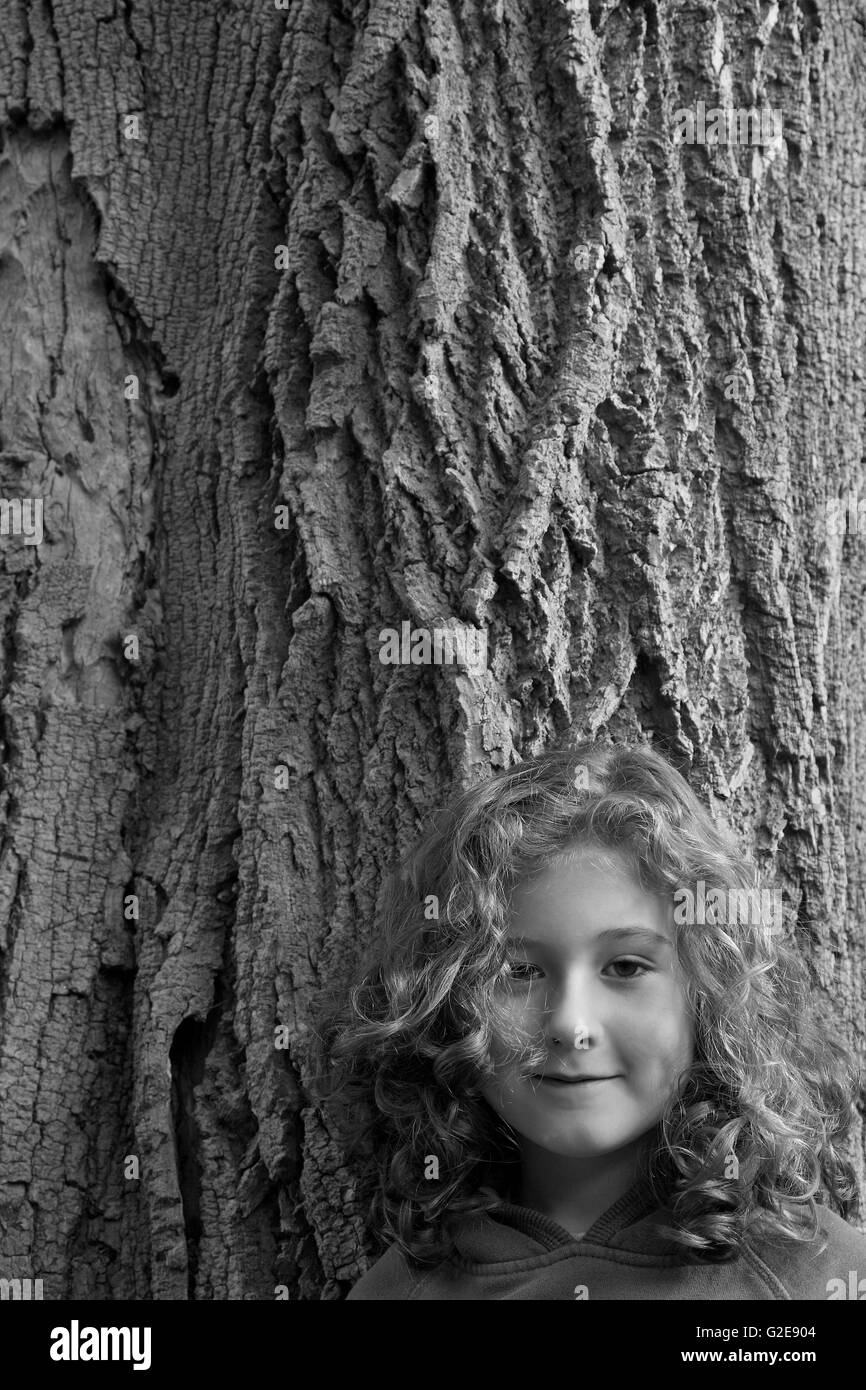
{"x": 646, "y": 932}
{"x": 612, "y": 933}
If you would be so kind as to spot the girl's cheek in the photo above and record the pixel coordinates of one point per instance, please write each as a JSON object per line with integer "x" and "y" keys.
{"x": 658, "y": 1018}
{"x": 514, "y": 1003}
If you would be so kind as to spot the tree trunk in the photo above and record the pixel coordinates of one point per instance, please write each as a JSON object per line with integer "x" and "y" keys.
{"x": 525, "y": 365}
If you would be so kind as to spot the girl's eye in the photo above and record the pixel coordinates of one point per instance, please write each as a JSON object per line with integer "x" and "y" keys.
{"x": 519, "y": 969}
{"x": 633, "y": 968}
{"x": 625, "y": 968}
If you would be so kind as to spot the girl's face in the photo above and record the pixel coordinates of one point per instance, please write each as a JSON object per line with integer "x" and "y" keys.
{"x": 594, "y": 972}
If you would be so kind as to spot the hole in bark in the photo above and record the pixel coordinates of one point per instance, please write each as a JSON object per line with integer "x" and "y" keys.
{"x": 170, "y": 383}
{"x": 187, "y": 1054}
{"x": 811, "y": 18}
{"x": 649, "y": 9}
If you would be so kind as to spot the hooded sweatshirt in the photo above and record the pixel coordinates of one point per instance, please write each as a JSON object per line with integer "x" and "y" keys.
{"x": 515, "y": 1252}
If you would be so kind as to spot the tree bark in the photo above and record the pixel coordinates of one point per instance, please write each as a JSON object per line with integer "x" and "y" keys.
{"x": 526, "y": 365}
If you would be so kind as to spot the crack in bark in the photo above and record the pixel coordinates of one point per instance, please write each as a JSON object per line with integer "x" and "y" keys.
{"x": 193, "y": 1039}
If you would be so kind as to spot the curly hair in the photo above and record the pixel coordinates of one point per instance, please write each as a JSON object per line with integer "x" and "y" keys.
{"x": 408, "y": 1054}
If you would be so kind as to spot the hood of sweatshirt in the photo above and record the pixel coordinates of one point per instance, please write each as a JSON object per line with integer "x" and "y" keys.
{"x": 512, "y": 1232}
{"x": 514, "y": 1252}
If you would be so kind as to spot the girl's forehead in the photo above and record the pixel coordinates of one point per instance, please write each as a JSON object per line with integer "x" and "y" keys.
{"x": 595, "y": 856}
{"x": 585, "y": 893}
{"x": 587, "y": 861}
{"x": 588, "y": 890}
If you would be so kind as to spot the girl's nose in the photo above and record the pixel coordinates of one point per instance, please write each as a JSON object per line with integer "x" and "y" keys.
{"x": 581, "y": 1035}
{"x": 572, "y": 1022}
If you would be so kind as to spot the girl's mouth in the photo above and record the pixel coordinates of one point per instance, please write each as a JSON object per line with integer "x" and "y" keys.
{"x": 573, "y": 1080}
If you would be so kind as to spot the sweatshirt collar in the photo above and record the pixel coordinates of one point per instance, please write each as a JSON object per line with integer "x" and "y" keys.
{"x": 628, "y": 1208}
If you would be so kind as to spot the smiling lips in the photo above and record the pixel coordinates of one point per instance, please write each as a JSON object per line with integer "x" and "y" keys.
{"x": 573, "y": 1080}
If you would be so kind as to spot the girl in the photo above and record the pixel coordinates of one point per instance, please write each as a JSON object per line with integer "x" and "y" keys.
{"x": 586, "y": 1057}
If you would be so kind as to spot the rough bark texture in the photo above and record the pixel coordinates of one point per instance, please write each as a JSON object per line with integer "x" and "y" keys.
{"x": 492, "y": 387}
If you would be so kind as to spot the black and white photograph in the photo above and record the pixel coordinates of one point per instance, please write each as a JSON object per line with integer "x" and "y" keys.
{"x": 433, "y": 673}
